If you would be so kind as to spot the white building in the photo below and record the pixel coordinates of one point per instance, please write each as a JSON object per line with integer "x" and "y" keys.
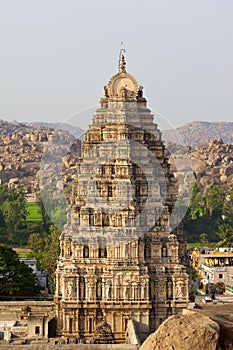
{"x": 42, "y": 277}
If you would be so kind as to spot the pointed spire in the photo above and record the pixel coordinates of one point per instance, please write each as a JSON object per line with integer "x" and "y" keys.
{"x": 121, "y": 61}
{"x": 122, "y": 67}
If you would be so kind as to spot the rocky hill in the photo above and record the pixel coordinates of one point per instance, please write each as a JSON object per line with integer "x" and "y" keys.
{"x": 71, "y": 129}
{"x": 22, "y": 146}
{"x": 21, "y": 149}
{"x": 199, "y": 133}
{"x": 211, "y": 164}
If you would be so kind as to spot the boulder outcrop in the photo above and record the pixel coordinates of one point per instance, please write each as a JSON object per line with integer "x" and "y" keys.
{"x": 211, "y": 164}
{"x": 22, "y": 146}
{"x": 190, "y": 331}
{"x": 208, "y": 327}
{"x": 21, "y": 149}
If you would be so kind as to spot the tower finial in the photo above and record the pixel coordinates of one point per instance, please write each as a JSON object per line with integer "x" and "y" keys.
{"x": 122, "y": 64}
{"x": 121, "y": 61}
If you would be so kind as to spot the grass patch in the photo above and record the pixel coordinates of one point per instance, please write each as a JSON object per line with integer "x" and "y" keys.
{"x": 34, "y": 211}
{"x": 23, "y": 252}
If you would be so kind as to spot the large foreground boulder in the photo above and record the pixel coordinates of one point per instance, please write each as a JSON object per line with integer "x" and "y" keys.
{"x": 190, "y": 331}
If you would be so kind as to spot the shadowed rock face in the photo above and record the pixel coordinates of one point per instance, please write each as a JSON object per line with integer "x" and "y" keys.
{"x": 208, "y": 327}
{"x": 191, "y": 331}
{"x": 223, "y": 315}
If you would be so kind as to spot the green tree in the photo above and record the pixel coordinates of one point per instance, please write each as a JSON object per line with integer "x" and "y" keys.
{"x": 53, "y": 209}
{"x": 204, "y": 238}
{"x": 204, "y": 214}
{"x": 225, "y": 233}
{"x": 195, "y": 209}
{"x": 228, "y": 207}
{"x": 13, "y": 214}
{"x": 3, "y": 196}
{"x": 214, "y": 201}
{"x": 36, "y": 243}
{"x": 45, "y": 249}
{"x": 16, "y": 278}
{"x": 45, "y": 218}
{"x": 52, "y": 250}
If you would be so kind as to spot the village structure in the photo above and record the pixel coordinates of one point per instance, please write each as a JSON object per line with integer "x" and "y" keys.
{"x": 214, "y": 269}
{"x": 120, "y": 261}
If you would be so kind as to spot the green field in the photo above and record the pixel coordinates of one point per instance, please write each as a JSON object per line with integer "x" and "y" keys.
{"x": 34, "y": 211}
{"x": 23, "y": 252}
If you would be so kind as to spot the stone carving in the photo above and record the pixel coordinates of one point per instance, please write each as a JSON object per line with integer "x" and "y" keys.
{"x": 161, "y": 291}
{"x": 103, "y": 334}
{"x": 109, "y": 289}
{"x": 117, "y": 235}
{"x": 180, "y": 288}
{"x": 143, "y": 291}
{"x": 105, "y": 91}
{"x": 91, "y": 288}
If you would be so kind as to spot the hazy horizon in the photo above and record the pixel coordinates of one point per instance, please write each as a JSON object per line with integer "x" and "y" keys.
{"x": 56, "y": 56}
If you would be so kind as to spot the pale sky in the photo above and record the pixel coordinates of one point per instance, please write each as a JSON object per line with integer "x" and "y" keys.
{"x": 56, "y": 56}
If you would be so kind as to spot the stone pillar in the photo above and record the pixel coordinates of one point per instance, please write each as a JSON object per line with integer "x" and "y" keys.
{"x": 77, "y": 287}
{"x": 104, "y": 290}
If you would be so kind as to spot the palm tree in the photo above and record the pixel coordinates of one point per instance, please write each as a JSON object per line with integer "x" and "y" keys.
{"x": 225, "y": 233}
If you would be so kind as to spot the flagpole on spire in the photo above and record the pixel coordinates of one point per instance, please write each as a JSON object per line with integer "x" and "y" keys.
{"x": 121, "y": 60}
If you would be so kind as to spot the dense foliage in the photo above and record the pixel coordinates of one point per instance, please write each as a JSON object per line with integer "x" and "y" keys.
{"x": 45, "y": 249}
{"x": 19, "y": 219}
{"x": 19, "y": 227}
{"x": 12, "y": 214}
{"x": 16, "y": 278}
{"x": 210, "y": 216}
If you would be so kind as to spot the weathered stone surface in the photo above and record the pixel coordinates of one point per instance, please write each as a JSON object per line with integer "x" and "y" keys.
{"x": 120, "y": 259}
{"x": 212, "y": 164}
{"x": 230, "y": 180}
{"x": 131, "y": 333}
{"x": 70, "y": 347}
{"x": 190, "y": 331}
{"x": 229, "y": 170}
{"x": 20, "y": 319}
{"x": 21, "y": 149}
{"x": 223, "y": 315}
{"x": 223, "y": 179}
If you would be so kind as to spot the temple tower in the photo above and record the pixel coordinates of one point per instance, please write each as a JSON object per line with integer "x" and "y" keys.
{"x": 120, "y": 259}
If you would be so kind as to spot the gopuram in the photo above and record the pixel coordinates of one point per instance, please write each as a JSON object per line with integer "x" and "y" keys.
{"x": 121, "y": 253}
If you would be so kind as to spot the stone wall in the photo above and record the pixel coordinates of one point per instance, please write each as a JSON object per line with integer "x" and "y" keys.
{"x": 70, "y": 347}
